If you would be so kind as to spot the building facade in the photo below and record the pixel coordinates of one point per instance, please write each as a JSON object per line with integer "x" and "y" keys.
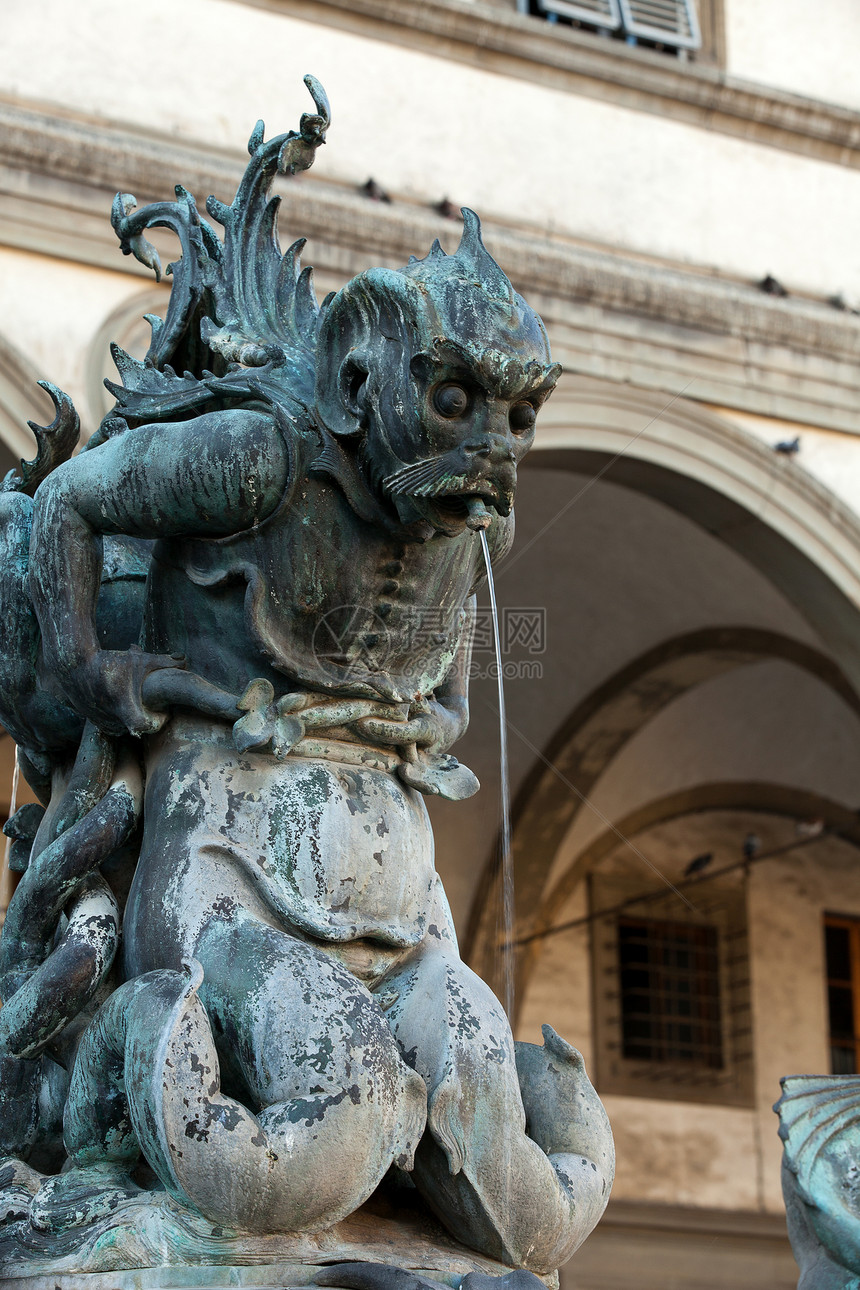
{"x": 676, "y": 188}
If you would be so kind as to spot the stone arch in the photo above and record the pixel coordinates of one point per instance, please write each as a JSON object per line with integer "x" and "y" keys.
{"x": 769, "y": 510}
{"x": 746, "y": 795}
{"x": 124, "y": 326}
{"x": 764, "y": 506}
{"x": 595, "y": 732}
{"x": 727, "y": 795}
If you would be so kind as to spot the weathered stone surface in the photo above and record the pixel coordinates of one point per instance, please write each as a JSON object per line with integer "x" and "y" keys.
{"x": 152, "y": 1242}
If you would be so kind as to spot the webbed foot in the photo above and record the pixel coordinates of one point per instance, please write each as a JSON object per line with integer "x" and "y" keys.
{"x": 567, "y": 1120}
{"x": 563, "y": 1112}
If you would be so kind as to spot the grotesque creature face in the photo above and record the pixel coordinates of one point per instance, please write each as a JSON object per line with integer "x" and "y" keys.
{"x": 441, "y": 370}
{"x": 476, "y": 418}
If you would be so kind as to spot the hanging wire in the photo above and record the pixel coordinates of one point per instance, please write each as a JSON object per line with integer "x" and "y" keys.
{"x": 660, "y": 894}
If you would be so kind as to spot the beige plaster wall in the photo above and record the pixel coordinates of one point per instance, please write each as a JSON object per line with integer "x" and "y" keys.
{"x": 426, "y": 127}
{"x": 52, "y": 309}
{"x": 22, "y": 795}
{"x": 829, "y": 456}
{"x": 559, "y": 994}
{"x": 795, "y": 46}
{"x": 678, "y": 1153}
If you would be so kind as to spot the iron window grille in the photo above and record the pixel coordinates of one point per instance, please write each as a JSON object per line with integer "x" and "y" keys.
{"x": 671, "y": 994}
{"x": 842, "y": 954}
{"x": 669, "y": 977}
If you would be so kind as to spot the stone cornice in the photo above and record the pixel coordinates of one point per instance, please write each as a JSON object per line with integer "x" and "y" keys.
{"x": 502, "y": 40}
{"x": 98, "y": 157}
{"x": 610, "y": 315}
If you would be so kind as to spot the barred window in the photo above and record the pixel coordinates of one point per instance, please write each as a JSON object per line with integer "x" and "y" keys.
{"x": 842, "y": 949}
{"x": 670, "y": 992}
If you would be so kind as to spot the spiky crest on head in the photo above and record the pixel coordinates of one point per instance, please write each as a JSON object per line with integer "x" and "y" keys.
{"x": 237, "y": 305}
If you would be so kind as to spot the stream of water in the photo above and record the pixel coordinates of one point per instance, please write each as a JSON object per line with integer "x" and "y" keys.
{"x": 505, "y": 928}
{"x": 13, "y": 806}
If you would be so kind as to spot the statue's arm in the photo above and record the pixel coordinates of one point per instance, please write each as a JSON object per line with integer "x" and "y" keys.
{"x": 209, "y": 477}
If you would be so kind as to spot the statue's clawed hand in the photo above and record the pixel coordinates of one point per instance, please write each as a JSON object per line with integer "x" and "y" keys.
{"x": 431, "y": 726}
{"x": 108, "y": 688}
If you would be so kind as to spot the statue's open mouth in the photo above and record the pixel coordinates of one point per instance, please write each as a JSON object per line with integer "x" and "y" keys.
{"x": 473, "y": 506}
{"x": 447, "y": 499}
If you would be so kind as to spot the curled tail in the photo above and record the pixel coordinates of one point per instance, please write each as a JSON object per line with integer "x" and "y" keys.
{"x": 567, "y": 1120}
{"x": 44, "y": 984}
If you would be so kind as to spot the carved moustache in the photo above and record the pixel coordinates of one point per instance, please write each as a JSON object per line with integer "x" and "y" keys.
{"x": 440, "y": 478}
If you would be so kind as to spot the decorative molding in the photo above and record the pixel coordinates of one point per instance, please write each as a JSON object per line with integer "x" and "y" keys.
{"x": 610, "y": 316}
{"x": 498, "y": 39}
{"x": 647, "y": 1215}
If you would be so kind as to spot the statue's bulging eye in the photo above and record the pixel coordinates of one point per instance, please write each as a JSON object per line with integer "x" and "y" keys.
{"x": 522, "y": 417}
{"x": 451, "y": 400}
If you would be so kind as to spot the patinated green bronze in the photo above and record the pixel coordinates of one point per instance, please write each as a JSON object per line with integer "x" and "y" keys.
{"x": 819, "y": 1123}
{"x": 235, "y": 648}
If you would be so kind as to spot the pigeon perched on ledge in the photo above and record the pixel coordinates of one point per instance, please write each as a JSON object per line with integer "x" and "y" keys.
{"x": 698, "y": 864}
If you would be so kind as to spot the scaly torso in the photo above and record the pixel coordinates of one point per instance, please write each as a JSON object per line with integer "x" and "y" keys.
{"x": 316, "y": 597}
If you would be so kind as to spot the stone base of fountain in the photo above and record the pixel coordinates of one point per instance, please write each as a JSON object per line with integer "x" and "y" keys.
{"x": 151, "y": 1243}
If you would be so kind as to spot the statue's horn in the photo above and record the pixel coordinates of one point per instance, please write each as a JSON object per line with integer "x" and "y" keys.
{"x": 473, "y": 253}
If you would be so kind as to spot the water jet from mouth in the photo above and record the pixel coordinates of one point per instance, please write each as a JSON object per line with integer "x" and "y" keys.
{"x": 505, "y": 864}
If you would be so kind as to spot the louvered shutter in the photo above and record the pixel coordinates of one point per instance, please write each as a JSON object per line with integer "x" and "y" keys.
{"x": 671, "y": 22}
{"x": 597, "y": 13}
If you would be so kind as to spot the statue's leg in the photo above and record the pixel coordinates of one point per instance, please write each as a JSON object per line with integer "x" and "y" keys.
{"x": 517, "y": 1164}
{"x": 304, "y": 1048}
{"x": 316, "y": 1059}
{"x": 327, "y": 1103}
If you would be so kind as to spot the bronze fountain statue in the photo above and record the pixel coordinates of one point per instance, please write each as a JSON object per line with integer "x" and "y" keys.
{"x": 234, "y": 1010}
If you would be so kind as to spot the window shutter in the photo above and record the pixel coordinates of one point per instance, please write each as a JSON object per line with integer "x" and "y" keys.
{"x": 671, "y": 22}
{"x": 598, "y": 13}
